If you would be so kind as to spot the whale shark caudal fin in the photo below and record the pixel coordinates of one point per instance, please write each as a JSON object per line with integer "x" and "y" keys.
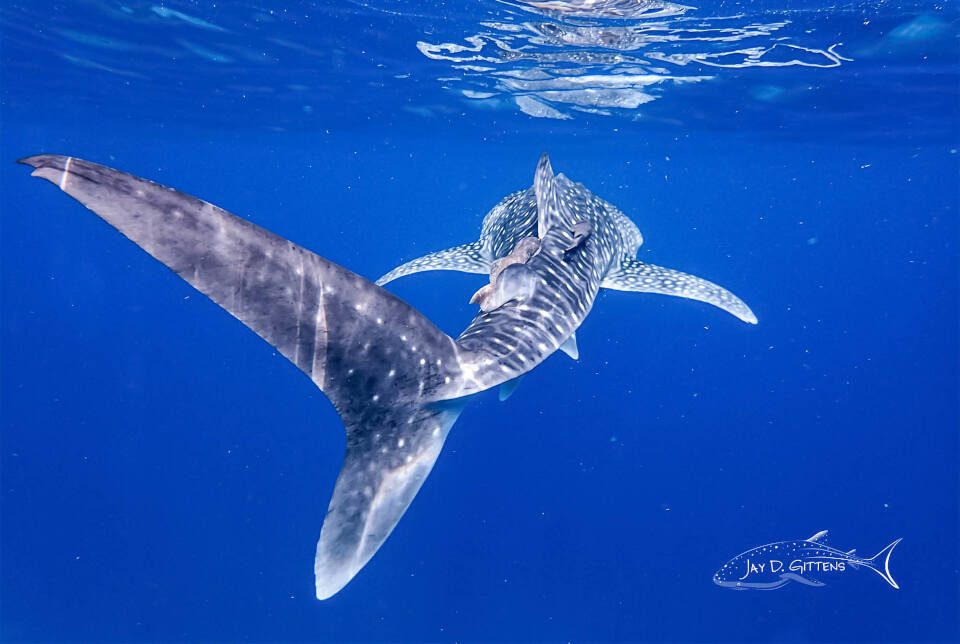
{"x": 880, "y": 563}
{"x": 634, "y": 275}
{"x": 468, "y": 258}
{"x": 372, "y": 354}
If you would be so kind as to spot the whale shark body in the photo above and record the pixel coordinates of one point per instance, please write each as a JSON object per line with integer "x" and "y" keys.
{"x": 516, "y": 218}
{"x": 397, "y": 381}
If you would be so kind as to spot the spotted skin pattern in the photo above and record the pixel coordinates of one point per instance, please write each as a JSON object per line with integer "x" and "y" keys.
{"x": 515, "y": 217}
{"x": 634, "y": 275}
{"x": 394, "y": 378}
{"x": 397, "y": 382}
{"x": 515, "y": 338}
{"x": 468, "y": 258}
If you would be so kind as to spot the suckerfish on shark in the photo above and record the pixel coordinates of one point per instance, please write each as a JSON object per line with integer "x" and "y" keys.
{"x": 517, "y": 217}
{"x": 397, "y": 381}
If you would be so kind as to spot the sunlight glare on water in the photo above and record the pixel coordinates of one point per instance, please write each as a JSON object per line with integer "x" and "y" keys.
{"x": 768, "y": 193}
{"x": 764, "y": 65}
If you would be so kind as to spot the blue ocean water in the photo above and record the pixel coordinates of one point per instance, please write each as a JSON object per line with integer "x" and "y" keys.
{"x": 165, "y": 473}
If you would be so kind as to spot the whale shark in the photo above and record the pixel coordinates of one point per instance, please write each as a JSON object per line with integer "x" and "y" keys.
{"x": 397, "y": 382}
{"x": 516, "y": 218}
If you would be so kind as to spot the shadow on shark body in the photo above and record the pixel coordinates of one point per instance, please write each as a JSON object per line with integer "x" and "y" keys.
{"x": 397, "y": 381}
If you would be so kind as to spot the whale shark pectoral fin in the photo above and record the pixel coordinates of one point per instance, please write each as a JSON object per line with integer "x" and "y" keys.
{"x": 569, "y": 346}
{"x": 544, "y": 186}
{"x": 803, "y": 580}
{"x": 384, "y": 467}
{"x": 468, "y": 258}
{"x": 379, "y": 361}
{"x": 634, "y": 275}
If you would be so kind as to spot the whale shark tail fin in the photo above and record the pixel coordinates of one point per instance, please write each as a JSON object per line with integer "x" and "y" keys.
{"x": 880, "y": 563}
{"x": 385, "y": 465}
{"x": 387, "y": 369}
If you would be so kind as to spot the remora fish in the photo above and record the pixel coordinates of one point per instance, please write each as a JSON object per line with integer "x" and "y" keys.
{"x": 397, "y": 382}
{"x": 805, "y": 561}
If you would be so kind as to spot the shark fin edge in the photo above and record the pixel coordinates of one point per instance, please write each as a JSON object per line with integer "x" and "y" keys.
{"x": 468, "y": 258}
{"x": 640, "y": 277}
{"x": 380, "y": 477}
{"x": 570, "y": 348}
{"x": 882, "y": 559}
{"x": 507, "y": 388}
{"x": 381, "y": 363}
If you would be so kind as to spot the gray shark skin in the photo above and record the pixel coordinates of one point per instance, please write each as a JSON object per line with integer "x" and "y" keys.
{"x": 775, "y": 565}
{"x": 522, "y": 335}
{"x": 515, "y": 218}
{"x": 397, "y": 382}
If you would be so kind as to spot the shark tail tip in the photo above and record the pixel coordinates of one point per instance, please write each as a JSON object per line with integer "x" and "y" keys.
{"x": 883, "y": 569}
{"x": 40, "y": 160}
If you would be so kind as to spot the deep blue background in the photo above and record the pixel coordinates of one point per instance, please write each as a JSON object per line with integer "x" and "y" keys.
{"x": 165, "y": 473}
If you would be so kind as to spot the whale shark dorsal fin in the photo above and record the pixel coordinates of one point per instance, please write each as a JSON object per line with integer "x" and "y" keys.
{"x": 852, "y": 552}
{"x": 371, "y": 353}
{"x": 819, "y": 536}
{"x": 544, "y": 186}
{"x": 468, "y": 258}
{"x": 634, "y": 275}
{"x": 569, "y": 346}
